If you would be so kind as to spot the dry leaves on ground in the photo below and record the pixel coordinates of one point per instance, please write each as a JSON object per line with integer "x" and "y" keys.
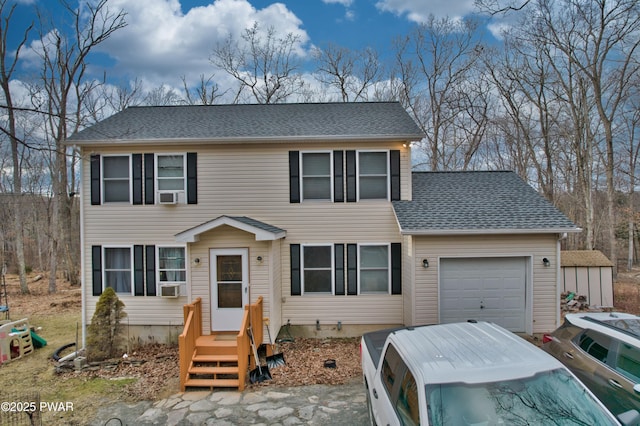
{"x": 155, "y": 367}
{"x": 305, "y": 362}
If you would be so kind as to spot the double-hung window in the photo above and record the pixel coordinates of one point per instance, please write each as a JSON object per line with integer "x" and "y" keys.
{"x": 317, "y": 269}
{"x": 373, "y": 175}
{"x": 170, "y": 173}
{"x": 116, "y": 179}
{"x": 375, "y": 271}
{"x": 118, "y": 269}
{"x": 171, "y": 265}
{"x": 346, "y": 269}
{"x": 316, "y": 175}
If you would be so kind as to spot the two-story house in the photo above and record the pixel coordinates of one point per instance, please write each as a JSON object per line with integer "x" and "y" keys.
{"x": 314, "y": 210}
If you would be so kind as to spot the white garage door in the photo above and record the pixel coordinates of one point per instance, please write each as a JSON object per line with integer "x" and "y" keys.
{"x": 487, "y": 289}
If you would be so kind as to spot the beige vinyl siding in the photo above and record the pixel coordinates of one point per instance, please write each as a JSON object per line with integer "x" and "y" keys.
{"x": 145, "y": 310}
{"x": 246, "y": 180}
{"x": 228, "y": 237}
{"x": 545, "y": 280}
{"x": 408, "y": 278}
{"x": 350, "y": 310}
{"x": 275, "y": 278}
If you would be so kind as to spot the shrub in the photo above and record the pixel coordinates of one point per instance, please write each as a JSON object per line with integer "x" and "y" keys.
{"x": 105, "y": 334}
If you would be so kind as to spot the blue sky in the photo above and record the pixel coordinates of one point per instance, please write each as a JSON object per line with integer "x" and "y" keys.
{"x": 167, "y": 39}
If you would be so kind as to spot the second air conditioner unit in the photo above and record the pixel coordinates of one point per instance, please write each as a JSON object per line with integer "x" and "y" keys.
{"x": 167, "y": 197}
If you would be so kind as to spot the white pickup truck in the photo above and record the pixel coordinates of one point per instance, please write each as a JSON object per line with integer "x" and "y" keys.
{"x": 472, "y": 373}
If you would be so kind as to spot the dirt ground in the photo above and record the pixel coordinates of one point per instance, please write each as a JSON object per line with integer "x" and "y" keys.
{"x": 154, "y": 368}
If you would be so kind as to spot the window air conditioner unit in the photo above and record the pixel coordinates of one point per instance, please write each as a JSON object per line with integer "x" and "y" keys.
{"x": 167, "y": 197}
{"x": 170, "y": 290}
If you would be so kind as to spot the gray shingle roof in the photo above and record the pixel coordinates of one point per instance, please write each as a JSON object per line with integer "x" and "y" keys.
{"x": 257, "y": 224}
{"x": 348, "y": 121}
{"x": 262, "y": 231}
{"x": 478, "y": 202}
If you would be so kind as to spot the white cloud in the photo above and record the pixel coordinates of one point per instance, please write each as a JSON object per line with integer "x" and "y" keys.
{"x": 345, "y": 3}
{"x": 162, "y": 43}
{"x": 350, "y": 15}
{"x": 419, "y": 10}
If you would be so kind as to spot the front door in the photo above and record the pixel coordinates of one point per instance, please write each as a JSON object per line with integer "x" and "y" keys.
{"x": 229, "y": 288}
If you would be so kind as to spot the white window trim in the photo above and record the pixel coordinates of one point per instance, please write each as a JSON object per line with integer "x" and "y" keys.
{"x": 333, "y": 269}
{"x": 388, "y": 172}
{"x": 302, "y": 179}
{"x": 388, "y": 245}
{"x": 156, "y": 178}
{"x": 183, "y": 284}
{"x": 102, "y": 188}
{"x": 131, "y": 271}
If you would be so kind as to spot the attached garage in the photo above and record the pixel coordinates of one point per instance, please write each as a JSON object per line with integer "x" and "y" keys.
{"x": 484, "y": 288}
{"x": 483, "y": 246}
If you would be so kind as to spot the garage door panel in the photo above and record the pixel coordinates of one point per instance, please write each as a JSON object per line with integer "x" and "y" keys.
{"x": 488, "y": 289}
{"x": 511, "y": 302}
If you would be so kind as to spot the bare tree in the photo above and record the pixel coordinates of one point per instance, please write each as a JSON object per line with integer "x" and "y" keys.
{"x": 265, "y": 65}
{"x": 351, "y": 73}
{"x": 631, "y": 154}
{"x": 521, "y": 77}
{"x": 8, "y": 61}
{"x": 599, "y": 40}
{"x": 434, "y": 64}
{"x": 495, "y": 7}
{"x": 162, "y": 96}
{"x": 66, "y": 88}
{"x": 206, "y": 93}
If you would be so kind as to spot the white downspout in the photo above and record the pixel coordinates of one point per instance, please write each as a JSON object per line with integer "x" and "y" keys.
{"x": 558, "y": 279}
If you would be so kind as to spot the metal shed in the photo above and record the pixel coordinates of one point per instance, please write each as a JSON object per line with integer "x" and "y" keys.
{"x": 588, "y": 273}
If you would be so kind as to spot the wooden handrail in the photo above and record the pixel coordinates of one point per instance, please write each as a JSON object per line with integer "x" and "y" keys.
{"x": 193, "y": 329}
{"x": 187, "y": 339}
{"x": 252, "y": 315}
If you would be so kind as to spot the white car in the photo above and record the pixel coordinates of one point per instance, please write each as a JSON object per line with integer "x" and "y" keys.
{"x": 473, "y": 373}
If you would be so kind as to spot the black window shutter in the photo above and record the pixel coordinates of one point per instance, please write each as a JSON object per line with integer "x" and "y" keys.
{"x": 136, "y": 172}
{"x": 339, "y": 262}
{"x": 296, "y": 284}
{"x": 352, "y": 269}
{"x": 151, "y": 270}
{"x": 192, "y": 178}
{"x": 149, "y": 182}
{"x": 95, "y": 179}
{"x": 294, "y": 176}
{"x": 338, "y": 177}
{"x": 351, "y": 176}
{"x": 396, "y": 268}
{"x": 96, "y": 268}
{"x": 138, "y": 270}
{"x": 394, "y": 167}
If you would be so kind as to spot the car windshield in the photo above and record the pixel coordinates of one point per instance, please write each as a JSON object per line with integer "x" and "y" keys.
{"x": 550, "y": 398}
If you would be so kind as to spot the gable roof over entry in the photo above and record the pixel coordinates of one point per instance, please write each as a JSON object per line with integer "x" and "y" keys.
{"x": 262, "y": 231}
{"x": 254, "y": 123}
{"x": 496, "y": 202}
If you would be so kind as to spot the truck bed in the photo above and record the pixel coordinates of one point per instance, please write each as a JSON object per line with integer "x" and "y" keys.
{"x": 374, "y": 341}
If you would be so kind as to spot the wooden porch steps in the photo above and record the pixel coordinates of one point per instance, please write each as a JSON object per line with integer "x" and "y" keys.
{"x": 214, "y": 363}
{"x": 220, "y": 360}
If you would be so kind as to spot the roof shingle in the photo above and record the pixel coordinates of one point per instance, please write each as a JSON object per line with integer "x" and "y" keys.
{"x": 246, "y": 122}
{"x": 462, "y": 202}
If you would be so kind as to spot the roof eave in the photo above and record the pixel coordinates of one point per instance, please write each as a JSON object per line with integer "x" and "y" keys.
{"x": 192, "y": 235}
{"x": 227, "y": 140}
{"x": 440, "y": 232}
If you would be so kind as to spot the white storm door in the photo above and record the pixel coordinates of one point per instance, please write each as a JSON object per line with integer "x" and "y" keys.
{"x": 229, "y": 288}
